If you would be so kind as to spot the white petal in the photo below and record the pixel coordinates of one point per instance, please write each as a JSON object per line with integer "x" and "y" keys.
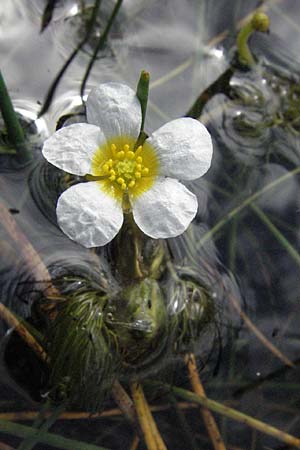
{"x": 115, "y": 108}
{"x": 71, "y": 148}
{"x": 88, "y": 215}
{"x": 165, "y": 210}
{"x": 184, "y": 148}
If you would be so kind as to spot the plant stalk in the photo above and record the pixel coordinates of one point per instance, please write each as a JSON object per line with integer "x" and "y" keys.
{"x": 100, "y": 45}
{"x": 207, "y": 416}
{"x": 259, "y": 22}
{"x": 14, "y": 130}
{"x": 152, "y": 436}
{"x": 237, "y": 416}
{"x": 54, "y": 440}
{"x": 248, "y": 201}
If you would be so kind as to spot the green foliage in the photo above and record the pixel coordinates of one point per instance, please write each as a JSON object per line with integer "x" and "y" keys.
{"x": 139, "y": 320}
{"x": 81, "y": 350}
{"x": 197, "y": 313}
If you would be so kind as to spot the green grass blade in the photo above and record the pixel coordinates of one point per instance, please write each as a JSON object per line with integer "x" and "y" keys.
{"x": 279, "y": 236}
{"x": 100, "y": 45}
{"x": 55, "y": 440}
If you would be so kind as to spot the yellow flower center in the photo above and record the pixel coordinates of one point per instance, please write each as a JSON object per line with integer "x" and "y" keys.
{"x": 124, "y": 169}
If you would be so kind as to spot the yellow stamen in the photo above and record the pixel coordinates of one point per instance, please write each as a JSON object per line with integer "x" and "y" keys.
{"x": 113, "y": 148}
{"x": 131, "y": 184}
{"x": 130, "y": 155}
{"x": 120, "y": 168}
{"x": 121, "y": 154}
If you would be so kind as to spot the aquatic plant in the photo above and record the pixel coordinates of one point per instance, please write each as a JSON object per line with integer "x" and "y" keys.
{"x": 147, "y": 317}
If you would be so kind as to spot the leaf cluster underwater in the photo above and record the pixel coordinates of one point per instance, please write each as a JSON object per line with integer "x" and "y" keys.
{"x": 122, "y": 326}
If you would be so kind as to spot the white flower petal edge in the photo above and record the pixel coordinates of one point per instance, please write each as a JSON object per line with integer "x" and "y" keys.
{"x": 184, "y": 148}
{"x": 166, "y": 209}
{"x": 115, "y": 108}
{"x": 71, "y": 148}
{"x": 89, "y": 216}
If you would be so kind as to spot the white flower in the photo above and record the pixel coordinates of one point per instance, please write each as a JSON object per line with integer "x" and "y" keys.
{"x": 91, "y": 212}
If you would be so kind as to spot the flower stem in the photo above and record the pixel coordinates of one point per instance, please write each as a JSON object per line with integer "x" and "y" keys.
{"x": 14, "y": 130}
{"x": 89, "y": 29}
{"x": 237, "y": 416}
{"x": 152, "y": 436}
{"x": 259, "y": 22}
{"x": 129, "y": 246}
{"x": 100, "y": 45}
{"x": 24, "y": 333}
{"x": 244, "y": 53}
{"x": 207, "y": 416}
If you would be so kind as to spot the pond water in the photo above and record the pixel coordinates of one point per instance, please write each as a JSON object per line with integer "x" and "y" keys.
{"x": 242, "y": 248}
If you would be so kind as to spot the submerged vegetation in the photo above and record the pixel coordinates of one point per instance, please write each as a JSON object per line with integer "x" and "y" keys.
{"x": 135, "y": 321}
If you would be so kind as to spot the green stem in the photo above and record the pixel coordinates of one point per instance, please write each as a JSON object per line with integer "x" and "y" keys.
{"x": 54, "y": 440}
{"x": 89, "y": 29}
{"x": 48, "y": 13}
{"x": 142, "y": 93}
{"x": 13, "y": 127}
{"x": 128, "y": 246}
{"x": 41, "y": 425}
{"x": 244, "y": 54}
{"x": 259, "y": 22}
{"x": 100, "y": 45}
{"x": 279, "y": 236}
{"x": 243, "y": 205}
{"x": 236, "y": 415}
{"x": 220, "y": 86}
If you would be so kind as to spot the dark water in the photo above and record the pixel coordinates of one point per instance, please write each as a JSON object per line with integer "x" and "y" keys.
{"x": 252, "y": 254}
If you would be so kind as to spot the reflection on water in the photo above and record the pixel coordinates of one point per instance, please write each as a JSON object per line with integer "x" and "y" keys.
{"x": 234, "y": 249}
